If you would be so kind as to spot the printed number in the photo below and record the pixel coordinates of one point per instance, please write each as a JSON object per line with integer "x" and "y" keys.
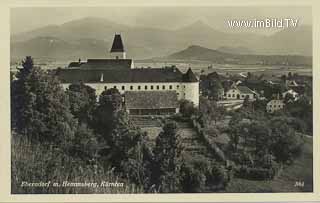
{"x": 299, "y": 184}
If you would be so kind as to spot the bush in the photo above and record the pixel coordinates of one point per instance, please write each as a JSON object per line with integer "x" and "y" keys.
{"x": 193, "y": 180}
{"x": 187, "y": 108}
{"x": 199, "y": 175}
{"x": 37, "y": 162}
{"x": 255, "y": 173}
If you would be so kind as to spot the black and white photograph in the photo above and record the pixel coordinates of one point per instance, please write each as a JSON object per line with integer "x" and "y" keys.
{"x": 161, "y": 99}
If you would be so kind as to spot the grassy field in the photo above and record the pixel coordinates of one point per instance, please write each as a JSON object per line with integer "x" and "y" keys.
{"x": 301, "y": 170}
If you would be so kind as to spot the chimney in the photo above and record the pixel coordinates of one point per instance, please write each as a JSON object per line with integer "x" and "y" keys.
{"x": 101, "y": 77}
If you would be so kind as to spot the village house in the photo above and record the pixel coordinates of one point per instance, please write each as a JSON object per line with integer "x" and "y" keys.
{"x": 144, "y": 90}
{"x": 274, "y": 105}
{"x": 239, "y": 92}
{"x": 294, "y": 94}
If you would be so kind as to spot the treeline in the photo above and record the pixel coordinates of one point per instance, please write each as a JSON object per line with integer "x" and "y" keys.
{"x": 67, "y": 135}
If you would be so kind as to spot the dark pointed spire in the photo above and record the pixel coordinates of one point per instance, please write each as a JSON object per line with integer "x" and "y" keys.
{"x": 117, "y": 45}
{"x": 189, "y": 76}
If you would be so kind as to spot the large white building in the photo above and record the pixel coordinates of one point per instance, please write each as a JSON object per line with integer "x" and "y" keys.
{"x": 148, "y": 83}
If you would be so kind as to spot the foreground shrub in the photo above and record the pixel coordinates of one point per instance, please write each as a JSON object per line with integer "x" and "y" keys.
{"x": 37, "y": 162}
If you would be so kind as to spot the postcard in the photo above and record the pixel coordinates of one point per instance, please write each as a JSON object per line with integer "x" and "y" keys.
{"x": 159, "y": 101}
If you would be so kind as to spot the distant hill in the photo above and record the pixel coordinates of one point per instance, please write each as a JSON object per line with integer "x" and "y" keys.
{"x": 199, "y": 53}
{"x": 143, "y": 42}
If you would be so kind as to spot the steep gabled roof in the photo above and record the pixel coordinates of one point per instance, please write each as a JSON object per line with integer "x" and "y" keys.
{"x": 189, "y": 76}
{"x": 117, "y": 45}
{"x": 151, "y": 99}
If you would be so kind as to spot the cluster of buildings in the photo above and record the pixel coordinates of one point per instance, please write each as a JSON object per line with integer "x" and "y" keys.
{"x": 234, "y": 91}
{"x": 145, "y": 91}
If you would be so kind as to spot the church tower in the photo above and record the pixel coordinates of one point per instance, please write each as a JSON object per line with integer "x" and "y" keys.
{"x": 117, "y": 50}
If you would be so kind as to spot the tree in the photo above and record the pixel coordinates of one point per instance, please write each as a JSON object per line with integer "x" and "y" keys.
{"x": 167, "y": 160}
{"x": 246, "y": 102}
{"x": 84, "y": 144}
{"x": 138, "y": 163}
{"x": 215, "y": 90}
{"x": 259, "y": 138}
{"x": 286, "y": 143}
{"x": 82, "y": 100}
{"x": 40, "y": 108}
{"x": 192, "y": 179}
{"x": 187, "y": 108}
{"x": 210, "y": 111}
{"x": 237, "y": 133}
{"x": 106, "y": 113}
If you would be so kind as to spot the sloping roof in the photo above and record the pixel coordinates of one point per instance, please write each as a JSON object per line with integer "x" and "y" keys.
{"x": 151, "y": 99}
{"x": 107, "y": 64}
{"x": 245, "y": 90}
{"x": 189, "y": 76}
{"x": 275, "y": 102}
{"x": 137, "y": 75}
{"x": 117, "y": 45}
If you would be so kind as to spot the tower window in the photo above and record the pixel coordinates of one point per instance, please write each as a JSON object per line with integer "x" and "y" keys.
{"x": 158, "y": 87}
{"x": 151, "y": 87}
{"x": 163, "y": 87}
{"x": 146, "y": 87}
{"x": 170, "y": 87}
{"x": 123, "y": 88}
{"x": 177, "y": 86}
{"x": 139, "y": 87}
{"x": 105, "y": 87}
{"x": 131, "y": 87}
{"x": 115, "y": 87}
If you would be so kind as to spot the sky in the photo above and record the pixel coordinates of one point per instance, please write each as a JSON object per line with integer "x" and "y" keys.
{"x": 24, "y": 19}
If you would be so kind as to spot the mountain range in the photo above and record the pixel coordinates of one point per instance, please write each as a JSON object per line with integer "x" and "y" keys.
{"x": 198, "y": 53}
{"x": 92, "y": 37}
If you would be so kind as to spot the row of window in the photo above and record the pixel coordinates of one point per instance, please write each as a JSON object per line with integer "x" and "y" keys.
{"x": 233, "y": 95}
{"x": 146, "y": 87}
{"x": 274, "y": 106}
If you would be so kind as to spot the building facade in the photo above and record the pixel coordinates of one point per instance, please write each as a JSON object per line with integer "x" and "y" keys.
{"x": 274, "y": 105}
{"x": 120, "y": 73}
{"x": 239, "y": 92}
